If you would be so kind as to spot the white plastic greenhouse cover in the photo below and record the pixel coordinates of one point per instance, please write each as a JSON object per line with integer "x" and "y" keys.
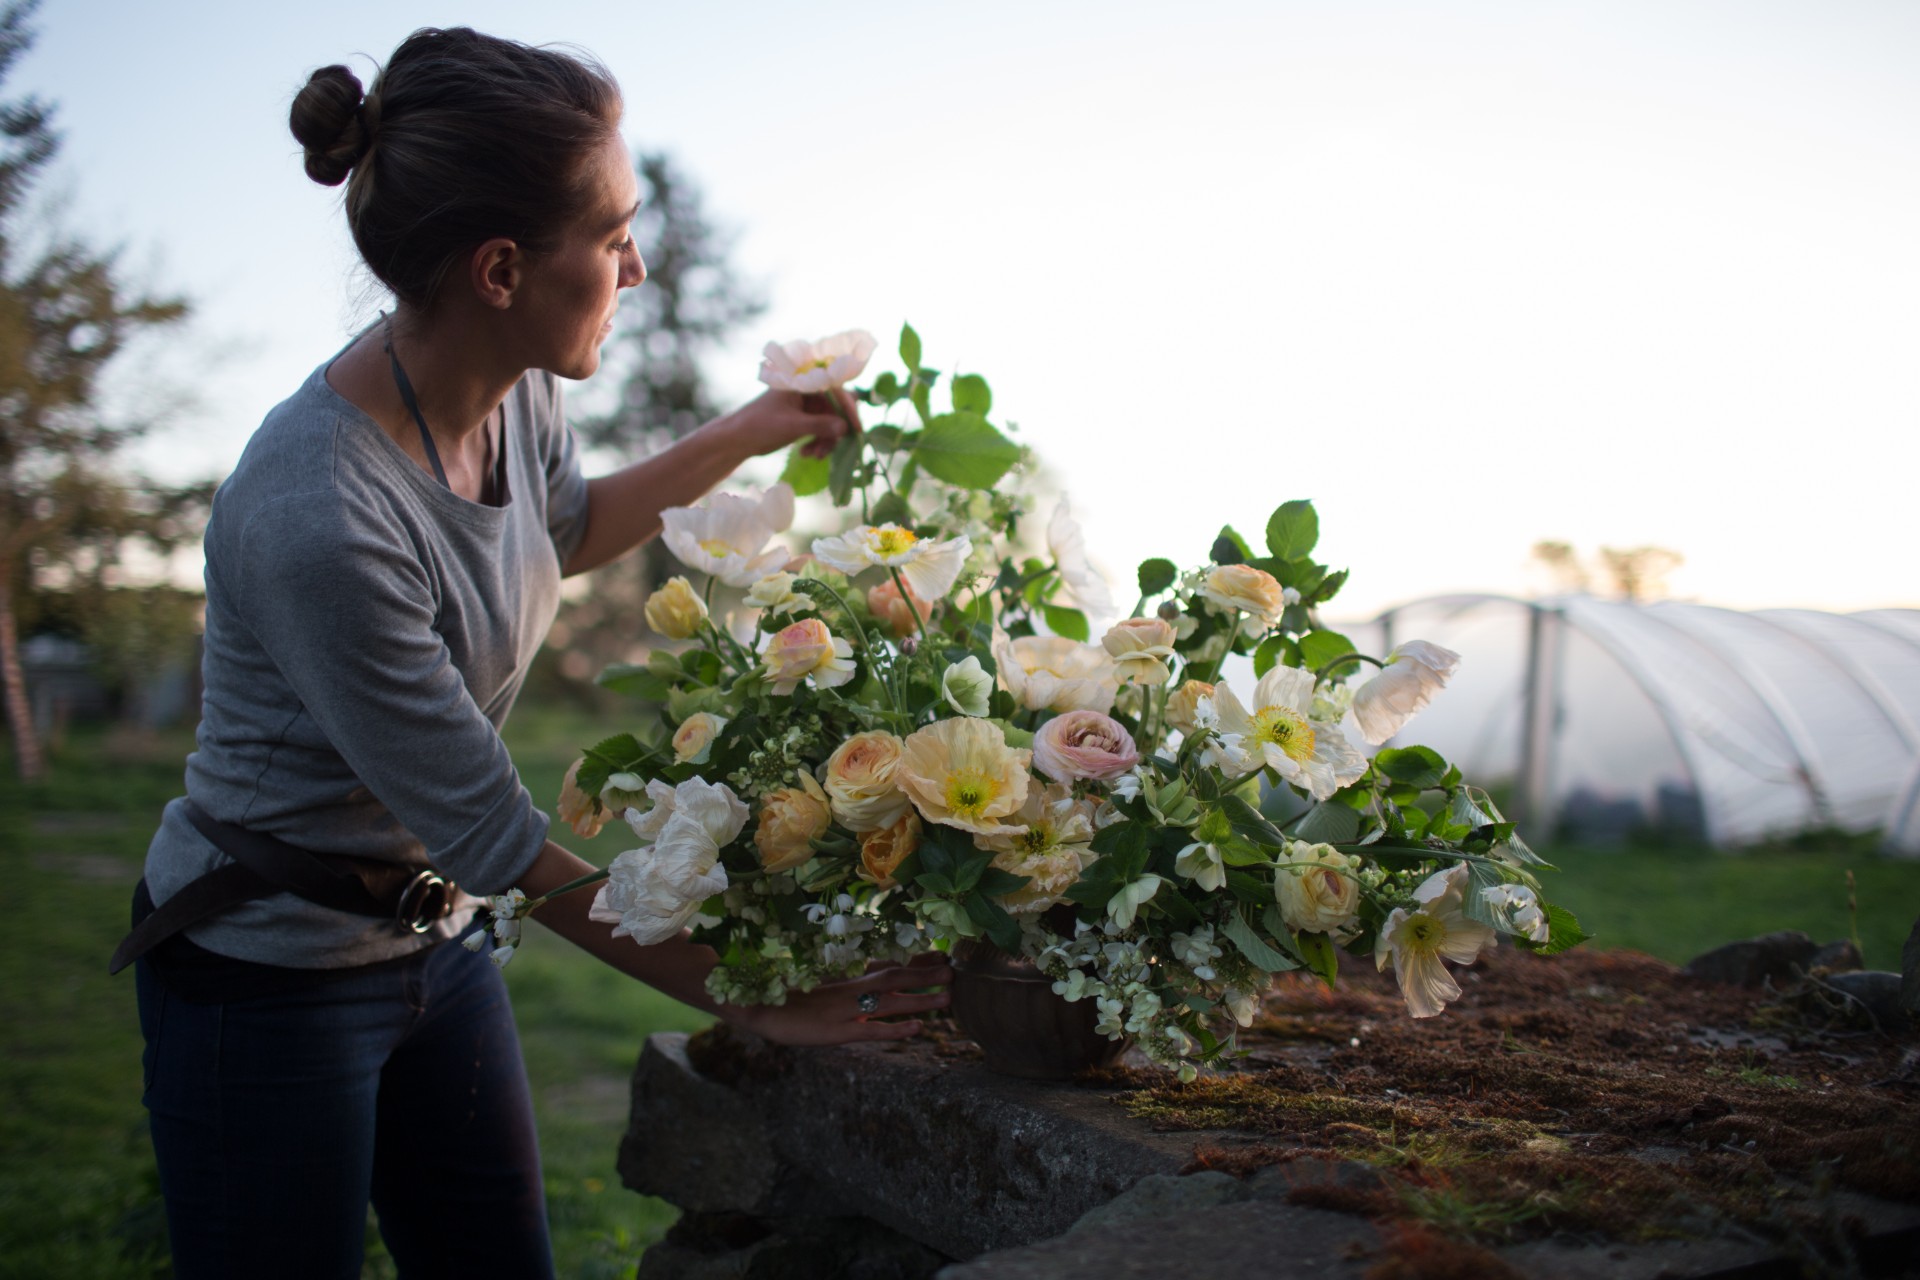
{"x": 1606, "y": 716}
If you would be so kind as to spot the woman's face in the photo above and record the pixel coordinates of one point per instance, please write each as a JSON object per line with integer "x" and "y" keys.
{"x": 570, "y": 294}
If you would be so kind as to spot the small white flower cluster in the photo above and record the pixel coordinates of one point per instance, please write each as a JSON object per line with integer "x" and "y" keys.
{"x": 1113, "y": 970}
{"x": 507, "y": 910}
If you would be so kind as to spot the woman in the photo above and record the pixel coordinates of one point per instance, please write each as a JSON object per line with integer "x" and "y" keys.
{"x": 381, "y": 568}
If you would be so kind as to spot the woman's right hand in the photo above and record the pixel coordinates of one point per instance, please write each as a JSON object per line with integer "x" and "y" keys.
{"x": 775, "y": 420}
{"x": 831, "y": 1013}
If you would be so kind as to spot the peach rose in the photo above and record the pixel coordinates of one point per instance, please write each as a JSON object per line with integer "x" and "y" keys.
{"x": 860, "y": 781}
{"x": 806, "y": 651}
{"x": 1083, "y": 744}
{"x": 897, "y": 611}
{"x": 578, "y": 809}
{"x": 1183, "y": 704}
{"x": 790, "y": 820}
{"x": 883, "y": 850}
{"x": 1250, "y": 590}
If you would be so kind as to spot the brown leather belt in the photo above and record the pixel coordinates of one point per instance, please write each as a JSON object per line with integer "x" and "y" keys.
{"x": 410, "y": 895}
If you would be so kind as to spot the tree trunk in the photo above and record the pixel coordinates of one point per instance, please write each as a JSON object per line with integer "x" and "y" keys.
{"x": 26, "y": 747}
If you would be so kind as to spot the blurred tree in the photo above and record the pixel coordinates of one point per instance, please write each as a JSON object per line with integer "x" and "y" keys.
{"x": 65, "y": 312}
{"x": 691, "y": 304}
{"x": 1635, "y": 573}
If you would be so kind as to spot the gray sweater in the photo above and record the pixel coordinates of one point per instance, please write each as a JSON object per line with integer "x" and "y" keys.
{"x": 367, "y": 631}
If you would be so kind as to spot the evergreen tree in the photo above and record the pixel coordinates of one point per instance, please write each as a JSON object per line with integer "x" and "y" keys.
{"x": 65, "y": 312}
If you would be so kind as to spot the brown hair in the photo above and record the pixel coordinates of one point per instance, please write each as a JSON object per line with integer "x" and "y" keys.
{"x": 464, "y": 137}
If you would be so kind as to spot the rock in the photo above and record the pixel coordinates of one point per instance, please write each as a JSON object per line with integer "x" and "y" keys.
{"x": 1873, "y": 999}
{"x": 1780, "y": 957}
{"x": 719, "y": 1246}
{"x": 1837, "y": 957}
{"x": 1161, "y": 1195}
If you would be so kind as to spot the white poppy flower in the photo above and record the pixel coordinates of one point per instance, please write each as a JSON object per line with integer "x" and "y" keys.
{"x": 929, "y": 566}
{"x": 652, "y": 892}
{"x": 816, "y": 366}
{"x": 728, "y": 537}
{"x": 1068, "y": 546}
{"x": 1279, "y": 732}
{"x": 1417, "y": 941}
{"x": 1414, "y": 673}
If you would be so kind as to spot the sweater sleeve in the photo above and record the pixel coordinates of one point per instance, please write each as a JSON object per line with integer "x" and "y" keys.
{"x": 566, "y": 485}
{"x": 343, "y": 605}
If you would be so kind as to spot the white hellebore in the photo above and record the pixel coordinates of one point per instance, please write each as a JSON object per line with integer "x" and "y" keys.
{"x": 929, "y": 566}
{"x": 1415, "y": 672}
{"x": 1519, "y": 908}
{"x": 1279, "y": 732}
{"x": 1124, "y": 905}
{"x": 775, "y": 594}
{"x": 1068, "y": 547}
{"x": 651, "y": 892}
{"x": 728, "y": 537}
{"x": 1203, "y": 864}
{"x": 967, "y": 687}
{"x": 816, "y": 366}
{"x": 1418, "y": 940}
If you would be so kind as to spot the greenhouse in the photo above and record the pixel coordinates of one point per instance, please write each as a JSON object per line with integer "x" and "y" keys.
{"x": 1606, "y": 718}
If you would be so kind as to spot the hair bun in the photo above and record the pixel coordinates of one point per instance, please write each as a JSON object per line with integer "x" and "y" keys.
{"x": 329, "y": 120}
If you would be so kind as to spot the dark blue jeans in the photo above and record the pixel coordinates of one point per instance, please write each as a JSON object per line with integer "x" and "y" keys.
{"x": 277, "y": 1120}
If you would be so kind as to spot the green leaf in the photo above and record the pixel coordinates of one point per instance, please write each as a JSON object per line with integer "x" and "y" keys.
{"x": 1248, "y": 822}
{"x": 1328, "y": 822}
{"x": 887, "y": 388}
{"x": 910, "y": 349}
{"x": 1292, "y": 530}
{"x": 636, "y": 681}
{"x": 1070, "y": 623}
{"x": 1331, "y": 587}
{"x": 1251, "y": 945}
{"x": 1318, "y": 648}
{"x": 1274, "y": 651}
{"x": 996, "y": 883}
{"x": 1564, "y": 932}
{"x": 842, "y": 467}
{"x": 1481, "y": 876}
{"x": 892, "y": 509}
{"x": 970, "y": 394}
{"x": 993, "y": 917}
{"x": 1462, "y": 810}
{"x": 1230, "y": 547}
{"x": 1415, "y": 766}
{"x": 964, "y": 449}
{"x": 1281, "y": 805}
{"x": 805, "y": 475}
{"x": 884, "y": 439}
{"x": 1156, "y": 575}
{"x": 1317, "y": 949}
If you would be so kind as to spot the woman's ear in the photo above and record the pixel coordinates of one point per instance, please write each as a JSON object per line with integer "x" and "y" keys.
{"x": 496, "y": 271}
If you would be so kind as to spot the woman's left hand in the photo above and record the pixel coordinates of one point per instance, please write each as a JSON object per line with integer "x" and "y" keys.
{"x": 776, "y": 419}
{"x": 832, "y": 1013}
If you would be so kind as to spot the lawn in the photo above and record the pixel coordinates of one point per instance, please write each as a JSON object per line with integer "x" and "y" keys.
{"x": 78, "y": 1194}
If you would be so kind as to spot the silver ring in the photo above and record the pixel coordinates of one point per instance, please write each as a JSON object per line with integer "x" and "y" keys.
{"x": 868, "y": 1002}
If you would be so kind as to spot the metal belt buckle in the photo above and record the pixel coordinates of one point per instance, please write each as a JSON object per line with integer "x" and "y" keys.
{"x": 427, "y": 897}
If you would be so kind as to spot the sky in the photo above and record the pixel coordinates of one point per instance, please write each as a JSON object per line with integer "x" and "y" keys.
{"x": 1469, "y": 275}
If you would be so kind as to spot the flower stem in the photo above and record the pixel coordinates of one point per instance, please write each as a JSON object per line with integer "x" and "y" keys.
{"x": 1321, "y": 672}
{"x": 592, "y": 877}
{"x": 1232, "y": 635}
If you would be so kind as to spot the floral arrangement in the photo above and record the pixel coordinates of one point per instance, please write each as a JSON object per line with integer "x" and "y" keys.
{"x": 906, "y": 735}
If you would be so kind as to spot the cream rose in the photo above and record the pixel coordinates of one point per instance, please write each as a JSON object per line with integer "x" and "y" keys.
{"x": 884, "y": 849}
{"x": 693, "y": 740}
{"x": 790, "y": 820}
{"x": 1250, "y": 590}
{"x": 1141, "y": 649}
{"x": 1183, "y": 705}
{"x": 675, "y": 610}
{"x": 860, "y": 781}
{"x": 1317, "y": 888}
{"x": 576, "y": 808}
{"x": 1055, "y": 674}
{"x": 1083, "y": 744}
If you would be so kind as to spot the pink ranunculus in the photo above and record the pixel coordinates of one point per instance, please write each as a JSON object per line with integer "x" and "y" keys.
{"x": 1083, "y": 744}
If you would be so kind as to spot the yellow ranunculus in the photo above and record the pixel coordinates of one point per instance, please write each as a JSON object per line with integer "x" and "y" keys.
{"x": 693, "y": 740}
{"x": 576, "y": 808}
{"x": 860, "y": 781}
{"x": 675, "y": 610}
{"x": 885, "y": 848}
{"x": 790, "y": 820}
{"x": 1183, "y": 704}
{"x": 806, "y": 651}
{"x": 1141, "y": 649}
{"x": 961, "y": 773}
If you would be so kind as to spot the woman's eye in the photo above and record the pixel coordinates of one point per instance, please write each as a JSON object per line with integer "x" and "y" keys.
{"x": 621, "y": 246}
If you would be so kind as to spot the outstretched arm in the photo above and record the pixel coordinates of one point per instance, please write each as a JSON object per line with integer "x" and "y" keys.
{"x": 829, "y": 1014}
{"x": 623, "y": 509}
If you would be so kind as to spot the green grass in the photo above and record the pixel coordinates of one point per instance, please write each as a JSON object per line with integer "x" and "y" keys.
{"x": 78, "y": 1194}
